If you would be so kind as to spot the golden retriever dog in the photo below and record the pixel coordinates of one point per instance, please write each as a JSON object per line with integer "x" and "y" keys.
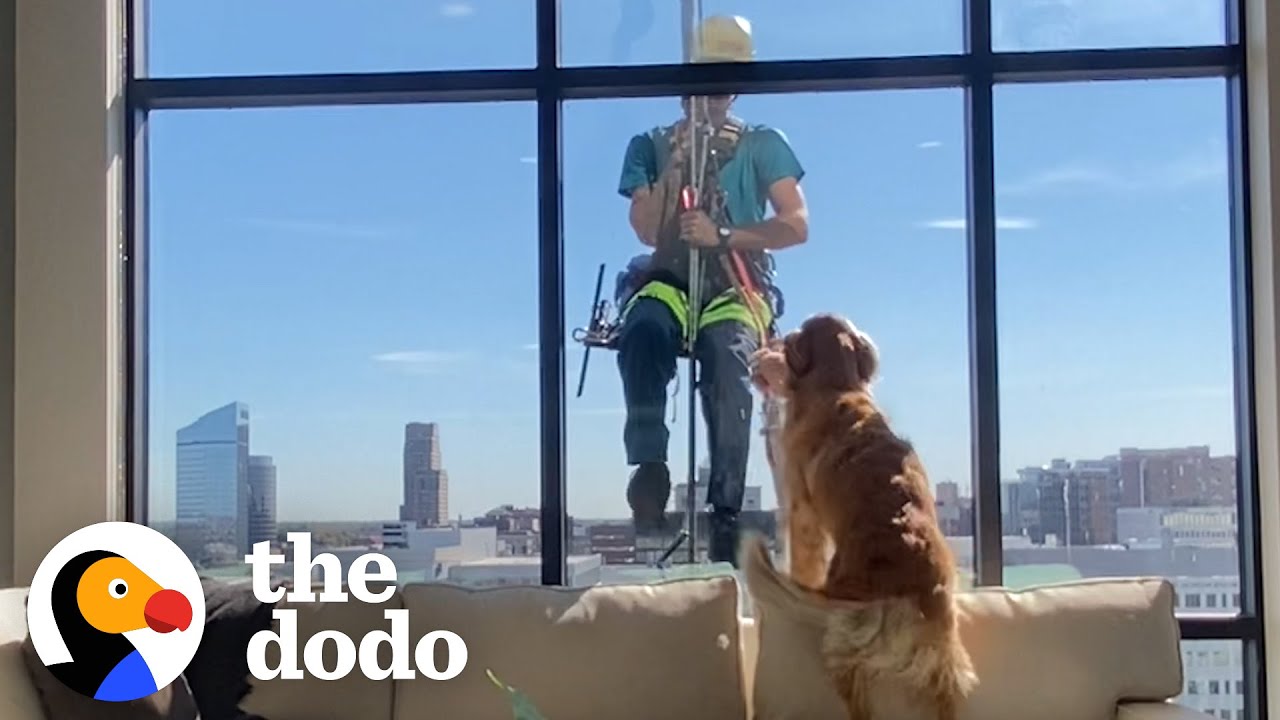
{"x": 861, "y": 523}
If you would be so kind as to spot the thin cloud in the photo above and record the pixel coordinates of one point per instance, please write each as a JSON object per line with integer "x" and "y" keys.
{"x": 420, "y": 362}
{"x": 1014, "y": 223}
{"x": 929, "y": 144}
{"x": 1180, "y": 173}
{"x": 320, "y": 228}
{"x": 945, "y": 224}
{"x": 529, "y": 160}
{"x": 417, "y": 356}
{"x": 529, "y": 346}
{"x": 1002, "y": 223}
{"x": 457, "y": 10}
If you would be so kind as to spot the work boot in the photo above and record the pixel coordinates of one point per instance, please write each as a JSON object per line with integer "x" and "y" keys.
{"x": 647, "y": 493}
{"x": 723, "y": 532}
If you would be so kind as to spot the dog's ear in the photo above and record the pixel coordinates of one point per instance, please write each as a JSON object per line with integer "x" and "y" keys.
{"x": 861, "y": 356}
{"x": 797, "y": 347}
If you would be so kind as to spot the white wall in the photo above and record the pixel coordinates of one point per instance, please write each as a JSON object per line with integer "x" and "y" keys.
{"x": 6, "y": 289}
{"x": 66, "y": 439}
{"x": 1263, "y": 42}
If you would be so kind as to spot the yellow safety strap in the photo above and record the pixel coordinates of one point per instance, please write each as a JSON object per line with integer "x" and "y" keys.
{"x": 669, "y": 296}
{"x": 725, "y": 307}
{"x": 728, "y": 306}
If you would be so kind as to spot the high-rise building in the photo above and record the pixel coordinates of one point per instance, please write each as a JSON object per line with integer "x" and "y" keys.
{"x": 1175, "y": 477}
{"x": 1098, "y": 487}
{"x": 212, "y": 481}
{"x": 1020, "y": 508}
{"x": 262, "y": 499}
{"x": 1076, "y": 503}
{"x": 426, "y": 483}
{"x": 1050, "y": 499}
{"x": 946, "y": 500}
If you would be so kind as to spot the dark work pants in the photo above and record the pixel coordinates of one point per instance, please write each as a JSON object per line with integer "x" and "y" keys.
{"x": 647, "y": 351}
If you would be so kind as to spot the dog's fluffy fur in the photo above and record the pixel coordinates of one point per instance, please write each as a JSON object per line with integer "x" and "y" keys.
{"x": 861, "y": 523}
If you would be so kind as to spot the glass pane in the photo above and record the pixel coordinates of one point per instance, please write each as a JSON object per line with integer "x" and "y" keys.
{"x": 250, "y": 37}
{"x": 1213, "y": 678}
{"x": 886, "y": 206}
{"x": 1114, "y": 290}
{"x": 1099, "y": 24}
{"x": 322, "y": 354}
{"x": 636, "y": 32}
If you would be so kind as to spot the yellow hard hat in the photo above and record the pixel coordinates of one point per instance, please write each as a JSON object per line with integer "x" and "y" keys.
{"x": 724, "y": 38}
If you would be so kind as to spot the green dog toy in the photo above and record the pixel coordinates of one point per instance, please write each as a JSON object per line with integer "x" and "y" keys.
{"x": 522, "y": 707}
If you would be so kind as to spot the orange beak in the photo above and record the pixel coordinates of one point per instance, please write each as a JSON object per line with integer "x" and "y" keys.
{"x": 168, "y": 610}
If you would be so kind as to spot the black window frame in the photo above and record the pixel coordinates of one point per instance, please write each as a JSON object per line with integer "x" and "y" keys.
{"x": 977, "y": 70}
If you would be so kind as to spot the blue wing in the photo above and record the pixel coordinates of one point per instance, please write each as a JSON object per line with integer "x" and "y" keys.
{"x": 129, "y": 680}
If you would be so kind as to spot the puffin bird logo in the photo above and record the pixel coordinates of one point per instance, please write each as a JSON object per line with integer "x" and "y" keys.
{"x": 97, "y": 598}
{"x": 117, "y": 623}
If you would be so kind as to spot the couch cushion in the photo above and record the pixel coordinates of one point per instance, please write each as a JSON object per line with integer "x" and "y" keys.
{"x": 313, "y": 698}
{"x": 18, "y": 697}
{"x": 1069, "y": 651}
{"x": 621, "y": 652}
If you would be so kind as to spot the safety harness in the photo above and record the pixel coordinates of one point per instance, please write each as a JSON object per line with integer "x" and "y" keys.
{"x": 750, "y": 298}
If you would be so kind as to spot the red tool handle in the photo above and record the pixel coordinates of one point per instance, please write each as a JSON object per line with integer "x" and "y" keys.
{"x": 743, "y": 276}
{"x": 688, "y": 199}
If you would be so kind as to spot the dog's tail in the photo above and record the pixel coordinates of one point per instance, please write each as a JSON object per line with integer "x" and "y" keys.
{"x": 770, "y": 587}
{"x": 881, "y": 638}
{"x": 848, "y": 628}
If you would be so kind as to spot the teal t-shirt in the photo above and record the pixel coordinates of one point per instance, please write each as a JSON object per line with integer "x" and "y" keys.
{"x": 763, "y": 157}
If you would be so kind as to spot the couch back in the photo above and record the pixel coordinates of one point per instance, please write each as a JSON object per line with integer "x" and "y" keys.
{"x": 624, "y": 652}
{"x": 1072, "y": 651}
{"x": 680, "y": 649}
{"x": 18, "y": 697}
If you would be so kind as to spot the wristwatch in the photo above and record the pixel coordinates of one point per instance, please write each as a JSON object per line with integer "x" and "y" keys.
{"x": 724, "y": 233}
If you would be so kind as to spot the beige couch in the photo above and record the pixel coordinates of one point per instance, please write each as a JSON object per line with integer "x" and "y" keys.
{"x": 1099, "y": 650}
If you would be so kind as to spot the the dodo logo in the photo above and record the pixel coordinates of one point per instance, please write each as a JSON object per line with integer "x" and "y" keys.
{"x": 116, "y": 611}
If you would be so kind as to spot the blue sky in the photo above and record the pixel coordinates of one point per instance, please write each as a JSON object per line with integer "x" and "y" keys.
{"x": 347, "y": 270}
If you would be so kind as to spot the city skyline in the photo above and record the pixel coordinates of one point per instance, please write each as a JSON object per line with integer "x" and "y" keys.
{"x": 425, "y": 499}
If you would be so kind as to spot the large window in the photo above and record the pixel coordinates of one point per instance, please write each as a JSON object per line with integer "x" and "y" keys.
{"x": 363, "y": 237}
{"x": 339, "y": 332}
{"x": 1118, "y": 437}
